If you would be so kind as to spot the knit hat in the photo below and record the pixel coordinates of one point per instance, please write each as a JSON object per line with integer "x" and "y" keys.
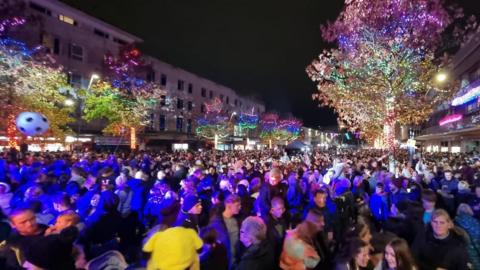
{"x": 189, "y": 202}
{"x": 53, "y": 251}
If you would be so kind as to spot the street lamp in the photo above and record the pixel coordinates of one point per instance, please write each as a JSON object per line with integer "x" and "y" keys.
{"x": 233, "y": 113}
{"x": 92, "y": 78}
{"x": 441, "y": 77}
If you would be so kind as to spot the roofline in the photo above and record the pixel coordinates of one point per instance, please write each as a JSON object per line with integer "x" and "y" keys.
{"x": 55, "y": 4}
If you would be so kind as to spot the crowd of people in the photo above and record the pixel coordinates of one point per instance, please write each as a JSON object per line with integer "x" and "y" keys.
{"x": 326, "y": 209}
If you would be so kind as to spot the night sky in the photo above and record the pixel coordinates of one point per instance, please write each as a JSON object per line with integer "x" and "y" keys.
{"x": 259, "y": 48}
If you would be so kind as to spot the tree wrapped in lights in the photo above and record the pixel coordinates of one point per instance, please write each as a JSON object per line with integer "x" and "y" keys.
{"x": 214, "y": 124}
{"x": 125, "y": 99}
{"x": 29, "y": 82}
{"x": 121, "y": 110}
{"x": 382, "y": 72}
{"x": 289, "y": 129}
{"x": 127, "y": 70}
{"x": 269, "y": 124}
{"x": 275, "y": 129}
{"x": 248, "y": 120}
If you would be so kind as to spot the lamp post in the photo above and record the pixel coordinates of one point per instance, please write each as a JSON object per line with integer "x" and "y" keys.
{"x": 93, "y": 77}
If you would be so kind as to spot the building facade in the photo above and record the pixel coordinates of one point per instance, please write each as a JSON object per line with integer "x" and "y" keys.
{"x": 455, "y": 126}
{"x": 79, "y": 43}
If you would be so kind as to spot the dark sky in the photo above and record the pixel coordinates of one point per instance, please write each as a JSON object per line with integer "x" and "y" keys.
{"x": 257, "y": 47}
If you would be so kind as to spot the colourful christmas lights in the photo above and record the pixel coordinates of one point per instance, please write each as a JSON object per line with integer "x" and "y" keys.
{"x": 450, "y": 119}
{"x": 248, "y": 121}
{"x": 386, "y": 55}
{"x": 214, "y": 123}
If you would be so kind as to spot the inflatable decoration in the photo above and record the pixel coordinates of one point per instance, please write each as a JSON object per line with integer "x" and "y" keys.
{"x": 32, "y": 123}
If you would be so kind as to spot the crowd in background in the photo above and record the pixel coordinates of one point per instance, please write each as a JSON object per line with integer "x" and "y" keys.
{"x": 326, "y": 209}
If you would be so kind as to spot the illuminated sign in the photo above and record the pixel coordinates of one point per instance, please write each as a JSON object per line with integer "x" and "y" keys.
{"x": 471, "y": 94}
{"x": 450, "y": 119}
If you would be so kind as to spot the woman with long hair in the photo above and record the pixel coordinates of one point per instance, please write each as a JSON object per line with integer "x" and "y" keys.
{"x": 397, "y": 256}
{"x": 353, "y": 256}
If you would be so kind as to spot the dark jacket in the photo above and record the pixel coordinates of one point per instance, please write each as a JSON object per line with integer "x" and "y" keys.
{"x": 218, "y": 224}
{"x": 266, "y": 194}
{"x": 215, "y": 258}
{"x": 276, "y": 230}
{"x": 471, "y": 226}
{"x": 257, "y": 257}
{"x": 431, "y": 253}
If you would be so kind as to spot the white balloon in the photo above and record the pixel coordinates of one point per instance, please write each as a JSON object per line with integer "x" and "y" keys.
{"x": 32, "y": 123}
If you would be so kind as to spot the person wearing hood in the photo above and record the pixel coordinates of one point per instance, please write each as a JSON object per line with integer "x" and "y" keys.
{"x": 259, "y": 254}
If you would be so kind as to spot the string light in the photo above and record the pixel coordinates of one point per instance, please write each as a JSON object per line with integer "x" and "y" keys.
{"x": 214, "y": 123}
{"x": 248, "y": 121}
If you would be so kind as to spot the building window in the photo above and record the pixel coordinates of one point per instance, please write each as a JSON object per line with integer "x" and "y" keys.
{"x": 119, "y": 41}
{"x": 40, "y": 9}
{"x": 151, "y": 122}
{"x": 162, "y": 122}
{"x": 180, "y": 84}
{"x": 235, "y": 102}
{"x": 221, "y": 97}
{"x": 228, "y": 100}
{"x": 202, "y": 108}
{"x": 100, "y": 33}
{"x": 151, "y": 76}
{"x": 50, "y": 43}
{"x": 189, "y": 126}
{"x": 163, "y": 100}
{"x": 67, "y": 19}
{"x": 190, "y": 88}
{"x": 56, "y": 46}
{"x": 76, "y": 52}
{"x": 179, "y": 124}
{"x": 204, "y": 92}
{"x": 74, "y": 79}
{"x": 210, "y": 94}
{"x": 189, "y": 106}
{"x": 180, "y": 104}
{"x": 163, "y": 80}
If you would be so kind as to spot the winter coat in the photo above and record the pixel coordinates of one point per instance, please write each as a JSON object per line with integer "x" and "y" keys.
{"x": 257, "y": 257}
{"x": 218, "y": 224}
{"x": 432, "y": 253}
{"x": 267, "y": 193}
{"x": 379, "y": 207}
{"x": 471, "y": 226}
